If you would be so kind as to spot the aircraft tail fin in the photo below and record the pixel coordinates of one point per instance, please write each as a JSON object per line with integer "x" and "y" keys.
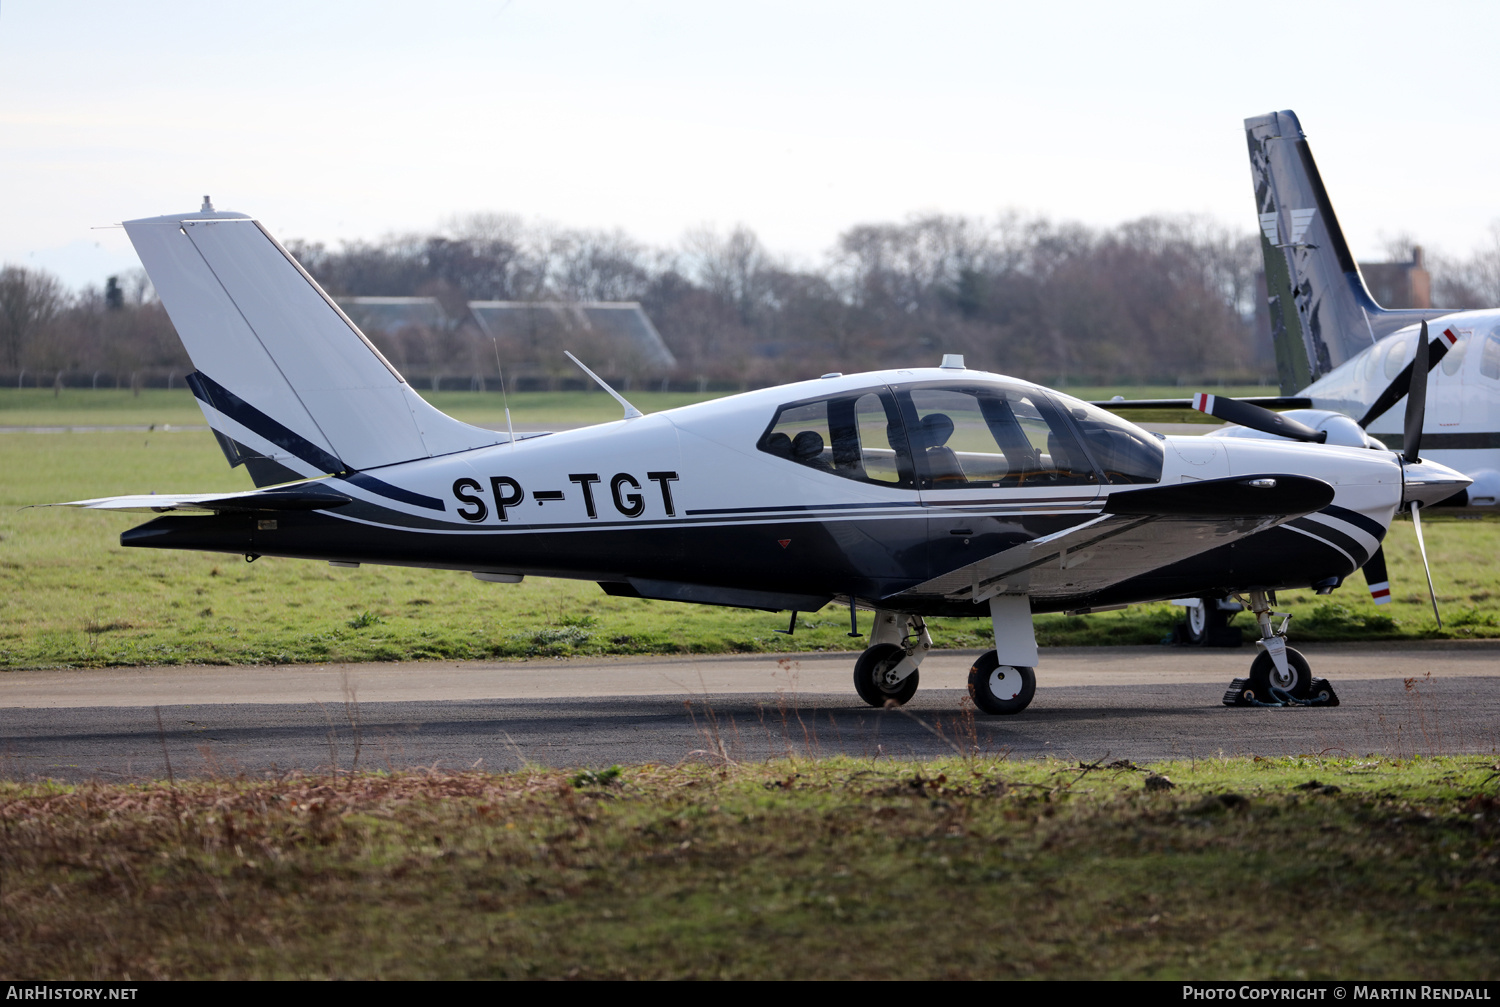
{"x": 1321, "y": 312}
{"x": 289, "y": 384}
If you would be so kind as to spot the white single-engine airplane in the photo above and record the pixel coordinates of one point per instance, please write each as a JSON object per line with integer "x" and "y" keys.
{"x": 912, "y": 493}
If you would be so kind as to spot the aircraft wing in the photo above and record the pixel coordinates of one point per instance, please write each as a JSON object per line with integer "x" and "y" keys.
{"x": 305, "y": 496}
{"x": 1139, "y": 531}
{"x": 1187, "y": 405}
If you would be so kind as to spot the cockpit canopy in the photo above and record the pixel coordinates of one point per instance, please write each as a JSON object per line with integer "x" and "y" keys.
{"x": 962, "y": 435}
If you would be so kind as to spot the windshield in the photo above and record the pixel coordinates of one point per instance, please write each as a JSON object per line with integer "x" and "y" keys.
{"x": 1123, "y": 451}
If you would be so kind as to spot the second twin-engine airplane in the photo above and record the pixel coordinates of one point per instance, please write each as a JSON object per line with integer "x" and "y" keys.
{"x": 1337, "y": 351}
{"x": 1345, "y": 362}
{"x": 916, "y": 492}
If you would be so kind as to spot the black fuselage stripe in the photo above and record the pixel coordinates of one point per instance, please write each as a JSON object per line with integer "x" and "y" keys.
{"x": 391, "y": 521}
{"x": 368, "y": 482}
{"x": 1477, "y": 440}
{"x": 803, "y": 507}
{"x": 1358, "y": 520}
{"x": 1356, "y": 551}
{"x": 247, "y": 416}
{"x": 987, "y": 506}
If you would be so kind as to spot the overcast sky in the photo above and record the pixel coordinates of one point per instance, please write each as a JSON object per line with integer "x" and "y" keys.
{"x": 334, "y": 121}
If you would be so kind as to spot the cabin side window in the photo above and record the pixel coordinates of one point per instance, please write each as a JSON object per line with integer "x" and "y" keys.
{"x": 1489, "y": 360}
{"x": 991, "y": 438}
{"x": 1453, "y": 360}
{"x": 857, "y": 436}
{"x": 1401, "y": 347}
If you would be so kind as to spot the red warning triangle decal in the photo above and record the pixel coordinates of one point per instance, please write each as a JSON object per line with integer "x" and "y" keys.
{"x": 784, "y": 542}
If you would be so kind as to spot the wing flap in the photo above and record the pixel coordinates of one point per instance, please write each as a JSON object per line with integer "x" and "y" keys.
{"x": 1140, "y": 531}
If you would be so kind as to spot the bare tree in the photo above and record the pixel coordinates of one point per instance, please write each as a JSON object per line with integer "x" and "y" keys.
{"x": 29, "y": 301}
{"x": 1471, "y": 282}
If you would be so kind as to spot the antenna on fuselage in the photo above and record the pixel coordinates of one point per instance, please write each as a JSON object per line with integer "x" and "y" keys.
{"x": 504, "y": 399}
{"x": 631, "y": 412}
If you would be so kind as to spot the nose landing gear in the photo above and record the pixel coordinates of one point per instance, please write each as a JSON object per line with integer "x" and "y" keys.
{"x": 1279, "y": 676}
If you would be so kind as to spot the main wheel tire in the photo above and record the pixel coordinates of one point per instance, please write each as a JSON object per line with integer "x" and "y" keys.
{"x": 1197, "y": 622}
{"x": 869, "y": 675}
{"x": 1206, "y": 623}
{"x": 1000, "y": 689}
{"x": 1263, "y": 676}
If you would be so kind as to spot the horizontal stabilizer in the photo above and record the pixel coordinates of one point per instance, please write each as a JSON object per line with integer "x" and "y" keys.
{"x": 312, "y": 496}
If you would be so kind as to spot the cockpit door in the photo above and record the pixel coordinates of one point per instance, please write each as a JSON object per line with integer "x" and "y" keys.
{"x": 996, "y": 465}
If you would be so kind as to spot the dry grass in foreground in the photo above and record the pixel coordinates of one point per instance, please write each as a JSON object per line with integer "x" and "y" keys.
{"x": 790, "y": 869}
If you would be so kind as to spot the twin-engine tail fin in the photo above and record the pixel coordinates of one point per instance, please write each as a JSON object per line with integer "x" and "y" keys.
{"x": 1321, "y": 312}
{"x": 288, "y": 383}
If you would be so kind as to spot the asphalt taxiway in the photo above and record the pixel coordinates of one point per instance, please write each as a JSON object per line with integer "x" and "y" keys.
{"x": 1140, "y": 703}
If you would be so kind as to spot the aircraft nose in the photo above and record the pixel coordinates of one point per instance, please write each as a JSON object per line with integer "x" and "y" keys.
{"x": 1427, "y": 482}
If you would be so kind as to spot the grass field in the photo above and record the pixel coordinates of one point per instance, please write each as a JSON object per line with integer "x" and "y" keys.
{"x": 1296, "y": 868}
{"x": 70, "y": 596}
{"x": 32, "y": 407}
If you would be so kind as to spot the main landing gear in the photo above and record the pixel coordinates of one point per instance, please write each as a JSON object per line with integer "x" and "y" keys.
{"x": 887, "y": 670}
{"x": 999, "y": 688}
{"x": 1279, "y": 676}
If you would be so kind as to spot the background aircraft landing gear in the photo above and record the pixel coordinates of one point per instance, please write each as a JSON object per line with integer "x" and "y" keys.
{"x": 1279, "y": 676}
{"x": 887, "y": 670}
{"x": 1000, "y": 689}
{"x": 1207, "y": 622}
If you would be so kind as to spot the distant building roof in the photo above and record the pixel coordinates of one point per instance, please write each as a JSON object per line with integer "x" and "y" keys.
{"x": 1399, "y": 284}
{"x": 616, "y": 321}
{"x": 392, "y": 314}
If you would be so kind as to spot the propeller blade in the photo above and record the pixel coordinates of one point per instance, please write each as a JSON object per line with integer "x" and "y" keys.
{"x": 1376, "y": 577}
{"x": 1416, "y": 401}
{"x": 1416, "y": 521}
{"x": 1256, "y": 418}
{"x": 1401, "y": 384}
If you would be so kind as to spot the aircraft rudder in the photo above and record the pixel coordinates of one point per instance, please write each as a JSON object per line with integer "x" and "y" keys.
{"x": 1321, "y": 313}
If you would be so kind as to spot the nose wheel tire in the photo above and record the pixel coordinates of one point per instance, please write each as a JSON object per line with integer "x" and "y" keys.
{"x": 1266, "y": 681}
{"x": 1000, "y": 688}
{"x": 870, "y": 676}
{"x": 1265, "y": 687}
